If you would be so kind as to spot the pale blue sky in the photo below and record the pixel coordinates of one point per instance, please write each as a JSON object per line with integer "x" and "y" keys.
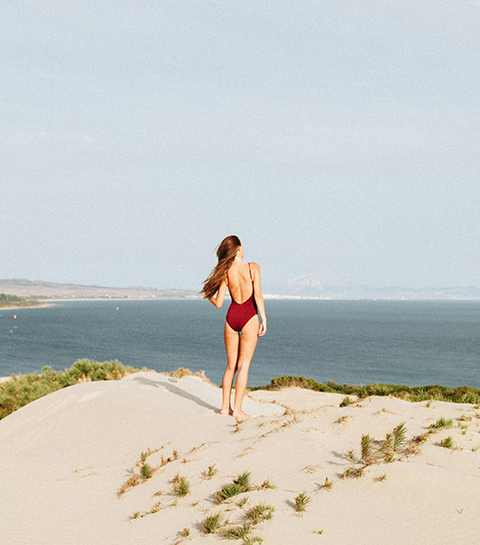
{"x": 337, "y": 137}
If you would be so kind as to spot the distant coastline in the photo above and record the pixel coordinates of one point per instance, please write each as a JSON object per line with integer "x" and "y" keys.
{"x": 307, "y": 287}
{"x": 41, "y": 304}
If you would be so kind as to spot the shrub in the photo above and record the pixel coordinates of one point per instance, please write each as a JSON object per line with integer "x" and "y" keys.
{"x": 23, "y": 389}
{"x": 464, "y": 394}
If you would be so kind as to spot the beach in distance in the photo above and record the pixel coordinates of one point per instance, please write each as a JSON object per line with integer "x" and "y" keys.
{"x": 149, "y": 459}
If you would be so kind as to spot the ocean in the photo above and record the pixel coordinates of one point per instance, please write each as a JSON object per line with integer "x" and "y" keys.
{"x": 415, "y": 343}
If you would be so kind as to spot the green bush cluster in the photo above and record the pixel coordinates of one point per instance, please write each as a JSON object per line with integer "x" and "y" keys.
{"x": 16, "y": 301}
{"x": 463, "y": 394}
{"x": 23, "y": 389}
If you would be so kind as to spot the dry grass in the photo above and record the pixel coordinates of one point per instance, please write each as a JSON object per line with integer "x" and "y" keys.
{"x": 185, "y": 372}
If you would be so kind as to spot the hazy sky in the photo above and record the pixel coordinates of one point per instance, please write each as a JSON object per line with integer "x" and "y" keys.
{"x": 336, "y": 137}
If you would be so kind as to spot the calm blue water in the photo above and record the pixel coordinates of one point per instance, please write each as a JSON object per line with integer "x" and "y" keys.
{"x": 353, "y": 342}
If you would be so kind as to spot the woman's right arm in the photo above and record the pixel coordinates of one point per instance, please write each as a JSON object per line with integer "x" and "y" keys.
{"x": 218, "y": 299}
{"x": 257, "y": 289}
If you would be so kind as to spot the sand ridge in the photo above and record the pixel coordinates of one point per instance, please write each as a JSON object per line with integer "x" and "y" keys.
{"x": 65, "y": 457}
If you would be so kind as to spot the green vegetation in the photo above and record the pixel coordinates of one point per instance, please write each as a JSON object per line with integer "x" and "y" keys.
{"x": 181, "y": 486}
{"x": 393, "y": 448}
{"x": 260, "y": 512}
{"x": 301, "y": 501}
{"x": 464, "y": 394}
{"x": 267, "y": 484}
{"x": 8, "y": 301}
{"x": 441, "y": 423}
{"x": 244, "y": 500}
{"x": 146, "y": 471}
{"x": 237, "y": 532}
{"x": 238, "y": 486}
{"x": 23, "y": 389}
{"x": 447, "y": 442}
{"x": 212, "y": 523}
{"x": 211, "y": 471}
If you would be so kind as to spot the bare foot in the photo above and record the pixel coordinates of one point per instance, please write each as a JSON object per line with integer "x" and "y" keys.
{"x": 241, "y": 414}
{"x": 227, "y": 412}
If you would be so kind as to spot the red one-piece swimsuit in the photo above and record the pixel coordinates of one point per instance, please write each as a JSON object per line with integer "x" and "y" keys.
{"x": 239, "y": 315}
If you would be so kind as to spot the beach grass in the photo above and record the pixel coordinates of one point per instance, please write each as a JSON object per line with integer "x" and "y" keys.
{"x": 181, "y": 485}
{"x": 240, "y": 484}
{"x": 301, "y": 502}
{"x": 260, "y": 512}
{"x": 211, "y": 523}
{"x": 237, "y": 532}
{"x": 23, "y": 389}
{"x": 463, "y": 394}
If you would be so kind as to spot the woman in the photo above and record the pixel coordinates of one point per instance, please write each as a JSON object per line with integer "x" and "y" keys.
{"x": 242, "y": 327}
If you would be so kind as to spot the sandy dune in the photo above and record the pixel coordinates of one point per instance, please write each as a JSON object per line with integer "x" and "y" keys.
{"x": 64, "y": 457}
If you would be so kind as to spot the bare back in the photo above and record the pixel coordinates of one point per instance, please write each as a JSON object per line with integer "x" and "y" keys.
{"x": 239, "y": 280}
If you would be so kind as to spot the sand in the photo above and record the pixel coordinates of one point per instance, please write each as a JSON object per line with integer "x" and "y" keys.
{"x": 64, "y": 457}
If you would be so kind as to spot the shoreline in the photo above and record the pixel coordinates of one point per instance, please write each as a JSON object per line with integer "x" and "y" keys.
{"x": 42, "y": 305}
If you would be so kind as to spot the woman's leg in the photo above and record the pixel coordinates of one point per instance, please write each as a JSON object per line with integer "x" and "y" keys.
{"x": 248, "y": 342}
{"x": 231, "y": 346}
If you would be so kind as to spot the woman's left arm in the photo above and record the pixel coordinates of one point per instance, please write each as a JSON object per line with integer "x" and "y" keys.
{"x": 218, "y": 299}
{"x": 257, "y": 289}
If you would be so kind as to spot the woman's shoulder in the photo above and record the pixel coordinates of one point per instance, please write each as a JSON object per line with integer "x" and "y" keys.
{"x": 254, "y": 266}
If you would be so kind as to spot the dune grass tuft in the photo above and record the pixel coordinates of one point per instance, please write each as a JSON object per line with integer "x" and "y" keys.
{"x": 267, "y": 484}
{"x": 301, "y": 502}
{"x": 241, "y": 503}
{"x": 260, "y": 512}
{"x": 366, "y": 446}
{"x": 212, "y": 523}
{"x": 181, "y": 486}
{"x": 447, "y": 442}
{"x": 146, "y": 471}
{"x": 327, "y": 485}
{"x": 237, "y": 532}
{"x": 442, "y": 422}
{"x": 240, "y": 484}
{"x": 211, "y": 471}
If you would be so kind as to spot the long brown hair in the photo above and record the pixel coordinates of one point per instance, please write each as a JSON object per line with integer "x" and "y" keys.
{"x": 226, "y": 252}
